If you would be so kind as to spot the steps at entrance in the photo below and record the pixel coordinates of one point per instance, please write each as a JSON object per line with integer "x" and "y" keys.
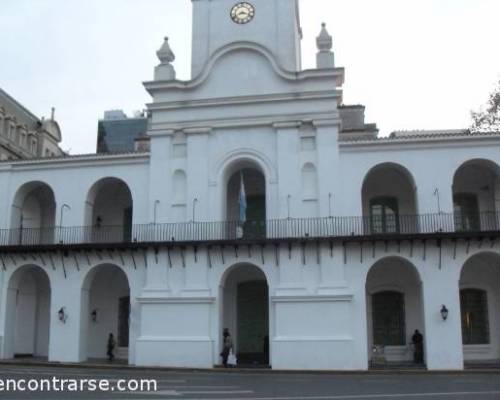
{"x": 122, "y": 353}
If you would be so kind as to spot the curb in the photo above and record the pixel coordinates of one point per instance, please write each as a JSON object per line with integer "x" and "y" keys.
{"x": 250, "y": 371}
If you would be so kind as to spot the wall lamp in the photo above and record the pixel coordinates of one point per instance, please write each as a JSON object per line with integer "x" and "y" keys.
{"x": 63, "y": 316}
{"x": 444, "y": 313}
{"x": 93, "y": 315}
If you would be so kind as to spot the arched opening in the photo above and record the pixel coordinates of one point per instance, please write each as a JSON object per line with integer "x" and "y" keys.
{"x": 394, "y": 312}
{"x": 33, "y": 215}
{"x": 480, "y": 306}
{"x": 27, "y": 323}
{"x": 105, "y": 309}
{"x": 245, "y": 313}
{"x": 109, "y": 210}
{"x": 389, "y": 200}
{"x": 246, "y": 200}
{"x": 476, "y": 196}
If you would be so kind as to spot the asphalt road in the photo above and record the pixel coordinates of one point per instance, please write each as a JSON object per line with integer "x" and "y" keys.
{"x": 262, "y": 385}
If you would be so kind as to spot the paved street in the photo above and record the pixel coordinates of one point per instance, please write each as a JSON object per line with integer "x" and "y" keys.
{"x": 267, "y": 386}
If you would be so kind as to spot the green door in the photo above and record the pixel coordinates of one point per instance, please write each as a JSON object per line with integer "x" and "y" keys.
{"x": 253, "y": 322}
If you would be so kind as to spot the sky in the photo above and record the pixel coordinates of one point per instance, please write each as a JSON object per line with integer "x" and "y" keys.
{"x": 415, "y": 64}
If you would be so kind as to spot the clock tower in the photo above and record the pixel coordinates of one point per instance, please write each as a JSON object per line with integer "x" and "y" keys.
{"x": 273, "y": 24}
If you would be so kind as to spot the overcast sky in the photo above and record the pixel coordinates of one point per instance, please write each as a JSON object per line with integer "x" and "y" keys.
{"x": 415, "y": 64}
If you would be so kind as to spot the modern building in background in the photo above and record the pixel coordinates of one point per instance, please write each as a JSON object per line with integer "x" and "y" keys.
{"x": 24, "y": 135}
{"x": 265, "y": 206}
{"x": 119, "y": 133}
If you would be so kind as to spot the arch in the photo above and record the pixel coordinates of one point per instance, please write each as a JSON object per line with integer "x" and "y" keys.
{"x": 33, "y": 214}
{"x": 479, "y": 306}
{"x": 251, "y": 156}
{"x": 105, "y": 309}
{"x": 476, "y": 195}
{"x": 27, "y": 317}
{"x": 109, "y": 211}
{"x": 394, "y": 309}
{"x": 247, "y": 218}
{"x": 244, "y": 311}
{"x": 389, "y": 199}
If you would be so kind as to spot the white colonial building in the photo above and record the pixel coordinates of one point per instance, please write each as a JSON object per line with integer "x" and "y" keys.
{"x": 348, "y": 243}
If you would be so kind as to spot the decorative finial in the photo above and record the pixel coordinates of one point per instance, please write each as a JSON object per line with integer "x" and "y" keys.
{"x": 165, "y": 54}
{"x": 324, "y": 41}
{"x": 325, "y": 57}
{"x": 165, "y": 71}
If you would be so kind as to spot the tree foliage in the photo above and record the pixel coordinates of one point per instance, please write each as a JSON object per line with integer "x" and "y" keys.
{"x": 488, "y": 119}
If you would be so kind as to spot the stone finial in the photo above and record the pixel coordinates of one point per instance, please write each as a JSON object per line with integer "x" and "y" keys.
{"x": 165, "y": 71}
{"x": 165, "y": 54}
{"x": 325, "y": 57}
{"x": 324, "y": 40}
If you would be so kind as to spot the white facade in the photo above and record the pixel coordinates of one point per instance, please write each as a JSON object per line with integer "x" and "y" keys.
{"x": 348, "y": 216}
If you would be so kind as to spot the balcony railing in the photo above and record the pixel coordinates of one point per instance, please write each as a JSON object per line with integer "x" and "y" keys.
{"x": 253, "y": 230}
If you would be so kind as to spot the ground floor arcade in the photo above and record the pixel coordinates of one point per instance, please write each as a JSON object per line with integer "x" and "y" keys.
{"x": 314, "y": 306}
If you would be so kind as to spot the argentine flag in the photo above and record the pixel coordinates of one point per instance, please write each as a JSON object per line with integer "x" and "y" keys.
{"x": 242, "y": 201}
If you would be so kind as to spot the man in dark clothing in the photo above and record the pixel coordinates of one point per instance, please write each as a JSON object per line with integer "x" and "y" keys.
{"x": 418, "y": 343}
{"x": 111, "y": 347}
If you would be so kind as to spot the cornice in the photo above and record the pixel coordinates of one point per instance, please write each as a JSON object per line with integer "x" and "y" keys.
{"x": 235, "y": 122}
{"x": 242, "y": 100}
{"x": 313, "y": 298}
{"x": 176, "y": 300}
{"x": 76, "y": 161}
{"x": 418, "y": 143}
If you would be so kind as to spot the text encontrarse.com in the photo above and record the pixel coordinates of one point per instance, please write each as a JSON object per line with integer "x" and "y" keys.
{"x": 55, "y": 384}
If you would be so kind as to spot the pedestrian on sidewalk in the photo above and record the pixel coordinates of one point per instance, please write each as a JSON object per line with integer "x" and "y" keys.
{"x": 418, "y": 343}
{"x": 227, "y": 346}
{"x": 111, "y": 347}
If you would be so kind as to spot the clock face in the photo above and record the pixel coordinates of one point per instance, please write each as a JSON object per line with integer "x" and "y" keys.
{"x": 242, "y": 13}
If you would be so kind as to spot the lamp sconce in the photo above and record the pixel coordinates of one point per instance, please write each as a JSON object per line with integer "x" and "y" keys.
{"x": 63, "y": 316}
{"x": 444, "y": 313}
{"x": 93, "y": 315}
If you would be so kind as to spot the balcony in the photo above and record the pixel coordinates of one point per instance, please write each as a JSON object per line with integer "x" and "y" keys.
{"x": 334, "y": 228}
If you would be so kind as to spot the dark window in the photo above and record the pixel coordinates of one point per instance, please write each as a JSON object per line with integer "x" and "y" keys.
{"x": 475, "y": 325}
{"x": 388, "y": 311}
{"x": 384, "y": 215}
{"x": 466, "y": 212}
{"x": 119, "y": 135}
{"x": 123, "y": 321}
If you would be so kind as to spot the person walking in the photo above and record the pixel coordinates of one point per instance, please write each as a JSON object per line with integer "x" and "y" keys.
{"x": 111, "y": 347}
{"x": 418, "y": 343}
{"x": 226, "y": 347}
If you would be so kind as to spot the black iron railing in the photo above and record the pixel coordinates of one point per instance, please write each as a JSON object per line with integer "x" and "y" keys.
{"x": 255, "y": 230}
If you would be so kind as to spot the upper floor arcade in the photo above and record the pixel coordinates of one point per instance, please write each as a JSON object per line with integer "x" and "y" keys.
{"x": 248, "y": 195}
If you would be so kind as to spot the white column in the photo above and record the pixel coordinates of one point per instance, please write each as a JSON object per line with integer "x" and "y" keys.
{"x": 443, "y": 339}
{"x": 64, "y": 342}
{"x": 159, "y": 172}
{"x": 288, "y": 163}
{"x": 198, "y": 175}
{"x": 327, "y": 135}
